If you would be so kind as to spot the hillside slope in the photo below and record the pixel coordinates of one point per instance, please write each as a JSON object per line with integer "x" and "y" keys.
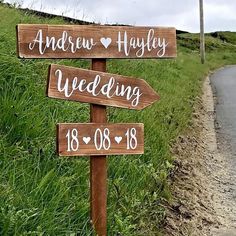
{"x": 42, "y": 194}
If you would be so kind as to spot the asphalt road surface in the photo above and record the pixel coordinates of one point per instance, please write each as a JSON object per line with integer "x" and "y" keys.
{"x": 224, "y": 87}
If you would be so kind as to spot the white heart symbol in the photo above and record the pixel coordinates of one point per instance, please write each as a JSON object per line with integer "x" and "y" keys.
{"x": 118, "y": 139}
{"x": 105, "y": 42}
{"x": 86, "y": 140}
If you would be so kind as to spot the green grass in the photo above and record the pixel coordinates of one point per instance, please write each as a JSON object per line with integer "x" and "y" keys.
{"x": 226, "y": 36}
{"x": 42, "y": 194}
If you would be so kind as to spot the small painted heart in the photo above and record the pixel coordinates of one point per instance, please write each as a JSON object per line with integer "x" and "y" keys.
{"x": 118, "y": 139}
{"x": 86, "y": 140}
{"x": 105, "y": 42}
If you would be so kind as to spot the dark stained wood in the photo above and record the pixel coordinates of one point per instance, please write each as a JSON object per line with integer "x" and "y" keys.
{"x": 137, "y": 94}
{"x": 119, "y": 140}
{"x": 92, "y": 41}
{"x": 98, "y": 168}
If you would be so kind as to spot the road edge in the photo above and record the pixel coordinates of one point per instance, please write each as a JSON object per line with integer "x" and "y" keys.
{"x": 198, "y": 205}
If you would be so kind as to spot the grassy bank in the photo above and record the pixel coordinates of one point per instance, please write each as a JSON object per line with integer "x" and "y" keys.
{"x": 42, "y": 194}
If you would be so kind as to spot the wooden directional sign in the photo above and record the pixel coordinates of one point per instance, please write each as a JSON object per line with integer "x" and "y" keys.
{"x": 93, "y": 41}
{"x": 99, "y": 88}
{"x": 99, "y": 139}
{"x": 97, "y": 42}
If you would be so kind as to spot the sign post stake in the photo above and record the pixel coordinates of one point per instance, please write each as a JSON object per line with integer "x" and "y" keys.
{"x": 98, "y": 168}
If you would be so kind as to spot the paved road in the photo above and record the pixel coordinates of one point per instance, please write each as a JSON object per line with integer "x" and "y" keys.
{"x": 224, "y": 87}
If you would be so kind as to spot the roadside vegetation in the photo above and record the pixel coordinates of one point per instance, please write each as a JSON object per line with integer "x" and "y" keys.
{"x": 42, "y": 194}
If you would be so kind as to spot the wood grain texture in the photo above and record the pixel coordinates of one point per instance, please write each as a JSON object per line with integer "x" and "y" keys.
{"x": 90, "y": 41}
{"x": 112, "y": 90}
{"x": 117, "y": 137}
{"x": 98, "y": 168}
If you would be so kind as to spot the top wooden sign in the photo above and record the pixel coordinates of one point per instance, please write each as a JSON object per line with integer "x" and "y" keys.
{"x": 94, "y": 41}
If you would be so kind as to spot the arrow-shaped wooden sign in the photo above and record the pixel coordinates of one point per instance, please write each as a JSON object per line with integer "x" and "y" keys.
{"x": 99, "y": 139}
{"x": 95, "y": 41}
{"x": 99, "y": 88}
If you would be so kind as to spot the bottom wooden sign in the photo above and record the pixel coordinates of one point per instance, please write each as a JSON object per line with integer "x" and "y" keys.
{"x": 83, "y": 139}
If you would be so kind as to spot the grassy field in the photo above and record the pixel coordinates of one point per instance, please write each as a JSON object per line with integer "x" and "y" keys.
{"x": 42, "y": 194}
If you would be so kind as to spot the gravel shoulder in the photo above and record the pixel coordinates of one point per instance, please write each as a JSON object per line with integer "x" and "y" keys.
{"x": 202, "y": 183}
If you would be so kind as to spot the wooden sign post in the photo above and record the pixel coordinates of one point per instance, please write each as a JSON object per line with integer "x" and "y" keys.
{"x": 98, "y": 88}
{"x": 98, "y": 168}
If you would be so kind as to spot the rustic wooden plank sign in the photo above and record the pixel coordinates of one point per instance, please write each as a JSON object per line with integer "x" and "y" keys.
{"x": 95, "y": 41}
{"x": 99, "y": 88}
{"x": 83, "y": 139}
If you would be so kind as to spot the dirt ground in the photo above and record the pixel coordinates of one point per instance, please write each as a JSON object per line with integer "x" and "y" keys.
{"x": 204, "y": 190}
